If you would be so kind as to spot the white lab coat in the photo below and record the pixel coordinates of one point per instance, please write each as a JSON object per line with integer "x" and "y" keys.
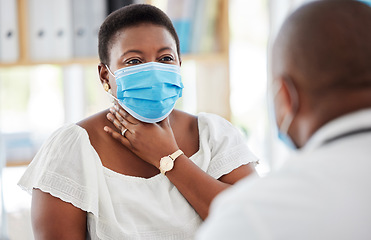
{"x": 323, "y": 192}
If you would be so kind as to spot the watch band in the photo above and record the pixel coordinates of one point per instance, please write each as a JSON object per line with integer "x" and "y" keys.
{"x": 176, "y": 154}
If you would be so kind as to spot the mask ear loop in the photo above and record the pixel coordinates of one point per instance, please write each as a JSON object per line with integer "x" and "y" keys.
{"x": 113, "y": 75}
{"x": 109, "y": 92}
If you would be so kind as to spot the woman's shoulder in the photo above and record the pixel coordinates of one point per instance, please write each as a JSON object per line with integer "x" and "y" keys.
{"x": 215, "y": 124}
{"x": 65, "y": 135}
{"x": 186, "y": 119}
{"x": 201, "y": 122}
{"x": 212, "y": 117}
{"x": 217, "y": 130}
{"x": 93, "y": 126}
{"x": 92, "y": 122}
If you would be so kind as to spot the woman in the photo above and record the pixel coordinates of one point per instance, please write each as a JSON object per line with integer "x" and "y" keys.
{"x": 85, "y": 184}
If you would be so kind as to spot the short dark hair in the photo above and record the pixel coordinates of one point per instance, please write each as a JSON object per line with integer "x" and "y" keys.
{"x": 130, "y": 16}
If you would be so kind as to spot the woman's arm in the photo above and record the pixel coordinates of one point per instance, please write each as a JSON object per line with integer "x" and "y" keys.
{"x": 55, "y": 219}
{"x": 198, "y": 187}
{"x": 151, "y": 142}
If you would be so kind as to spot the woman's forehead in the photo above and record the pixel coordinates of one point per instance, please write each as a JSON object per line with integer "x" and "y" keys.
{"x": 144, "y": 35}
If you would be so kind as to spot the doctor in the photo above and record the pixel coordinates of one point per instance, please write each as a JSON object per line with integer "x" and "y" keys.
{"x": 322, "y": 82}
{"x": 321, "y": 71}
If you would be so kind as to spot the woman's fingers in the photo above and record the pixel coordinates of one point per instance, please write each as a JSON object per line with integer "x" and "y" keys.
{"x": 115, "y": 121}
{"x": 117, "y": 136}
{"x": 118, "y": 116}
{"x": 126, "y": 115}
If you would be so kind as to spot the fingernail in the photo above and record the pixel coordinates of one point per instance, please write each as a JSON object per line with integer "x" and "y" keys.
{"x": 116, "y": 107}
{"x": 105, "y": 129}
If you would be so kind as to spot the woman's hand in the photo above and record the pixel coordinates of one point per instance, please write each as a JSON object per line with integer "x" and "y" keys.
{"x": 149, "y": 141}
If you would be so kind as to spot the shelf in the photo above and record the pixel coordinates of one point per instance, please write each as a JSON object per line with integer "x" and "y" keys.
{"x": 18, "y": 163}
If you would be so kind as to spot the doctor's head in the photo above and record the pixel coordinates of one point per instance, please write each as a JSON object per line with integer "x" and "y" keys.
{"x": 135, "y": 34}
{"x": 321, "y": 66}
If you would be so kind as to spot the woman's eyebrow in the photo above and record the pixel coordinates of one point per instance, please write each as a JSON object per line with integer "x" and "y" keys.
{"x": 131, "y": 51}
{"x": 164, "y": 49}
{"x": 140, "y": 52}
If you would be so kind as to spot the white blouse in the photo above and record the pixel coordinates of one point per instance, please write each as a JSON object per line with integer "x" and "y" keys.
{"x": 126, "y": 207}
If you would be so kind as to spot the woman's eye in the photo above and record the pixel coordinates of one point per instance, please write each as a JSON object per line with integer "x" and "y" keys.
{"x": 167, "y": 59}
{"x": 133, "y": 61}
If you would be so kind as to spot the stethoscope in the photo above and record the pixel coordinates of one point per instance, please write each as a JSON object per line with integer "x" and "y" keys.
{"x": 347, "y": 134}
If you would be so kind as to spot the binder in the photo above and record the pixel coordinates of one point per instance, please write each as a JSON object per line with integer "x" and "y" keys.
{"x": 199, "y": 25}
{"x": 61, "y": 38}
{"x": 209, "y": 40}
{"x": 139, "y": 1}
{"x": 204, "y": 39}
{"x": 96, "y": 15}
{"x": 80, "y": 24}
{"x": 181, "y": 14}
{"x": 87, "y": 17}
{"x": 40, "y": 29}
{"x": 116, "y": 4}
{"x": 9, "y": 47}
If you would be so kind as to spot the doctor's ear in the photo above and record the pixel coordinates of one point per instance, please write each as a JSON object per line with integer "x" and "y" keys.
{"x": 289, "y": 85}
{"x": 286, "y": 96}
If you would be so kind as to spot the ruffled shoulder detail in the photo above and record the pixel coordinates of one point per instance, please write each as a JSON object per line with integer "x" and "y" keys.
{"x": 67, "y": 167}
{"x": 227, "y": 147}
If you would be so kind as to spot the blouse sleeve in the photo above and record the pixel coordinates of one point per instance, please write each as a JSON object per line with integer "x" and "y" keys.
{"x": 228, "y": 148}
{"x": 66, "y": 168}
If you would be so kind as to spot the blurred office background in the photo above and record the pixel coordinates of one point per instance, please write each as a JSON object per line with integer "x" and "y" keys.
{"x": 47, "y": 80}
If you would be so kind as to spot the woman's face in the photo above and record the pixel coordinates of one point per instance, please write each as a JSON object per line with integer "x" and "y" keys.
{"x": 141, "y": 44}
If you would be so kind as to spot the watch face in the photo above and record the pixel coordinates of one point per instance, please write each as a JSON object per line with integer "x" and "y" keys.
{"x": 166, "y": 164}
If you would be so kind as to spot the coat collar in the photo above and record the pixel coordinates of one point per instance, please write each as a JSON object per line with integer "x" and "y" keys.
{"x": 339, "y": 127}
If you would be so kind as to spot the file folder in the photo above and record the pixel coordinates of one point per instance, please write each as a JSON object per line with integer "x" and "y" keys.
{"x": 181, "y": 14}
{"x": 87, "y": 17}
{"x": 61, "y": 30}
{"x": 96, "y": 15}
{"x": 9, "y": 41}
{"x": 80, "y": 10}
{"x": 116, "y": 4}
{"x": 199, "y": 26}
{"x": 40, "y": 29}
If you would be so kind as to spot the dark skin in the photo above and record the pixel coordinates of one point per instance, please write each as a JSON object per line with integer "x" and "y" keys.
{"x": 54, "y": 219}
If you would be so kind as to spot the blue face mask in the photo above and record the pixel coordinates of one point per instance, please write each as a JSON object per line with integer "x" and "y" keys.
{"x": 148, "y": 91}
{"x": 283, "y": 135}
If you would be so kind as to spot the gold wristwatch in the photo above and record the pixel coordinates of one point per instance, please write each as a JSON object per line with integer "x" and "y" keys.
{"x": 167, "y": 163}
